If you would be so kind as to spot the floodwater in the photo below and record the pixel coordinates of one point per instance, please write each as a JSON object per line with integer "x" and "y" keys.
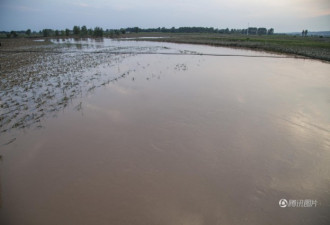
{"x": 180, "y": 139}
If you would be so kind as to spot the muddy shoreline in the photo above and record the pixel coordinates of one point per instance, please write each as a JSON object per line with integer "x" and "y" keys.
{"x": 42, "y": 78}
{"x": 310, "y": 47}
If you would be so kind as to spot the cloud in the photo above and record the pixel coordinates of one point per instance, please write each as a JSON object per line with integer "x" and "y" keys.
{"x": 82, "y": 4}
{"x": 283, "y": 15}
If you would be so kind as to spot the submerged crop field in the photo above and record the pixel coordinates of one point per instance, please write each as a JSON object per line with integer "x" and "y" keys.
{"x": 119, "y": 131}
{"x": 41, "y": 77}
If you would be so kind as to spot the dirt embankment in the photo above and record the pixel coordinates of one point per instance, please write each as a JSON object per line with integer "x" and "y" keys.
{"x": 310, "y": 47}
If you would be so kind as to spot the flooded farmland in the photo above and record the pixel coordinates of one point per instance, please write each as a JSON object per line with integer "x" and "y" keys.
{"x": 125, "y": 132}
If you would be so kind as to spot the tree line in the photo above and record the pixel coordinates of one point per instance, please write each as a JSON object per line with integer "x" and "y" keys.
{"x": 76, "y": 31}
{"x": 250, "y": 30}
{"x": 83, "y": 31}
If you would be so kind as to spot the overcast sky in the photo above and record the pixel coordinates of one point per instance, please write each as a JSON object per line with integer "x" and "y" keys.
{"x": 282, "y": 15}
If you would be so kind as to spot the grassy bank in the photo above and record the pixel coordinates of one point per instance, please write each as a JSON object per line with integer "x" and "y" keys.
{"x": 311, "y": 47}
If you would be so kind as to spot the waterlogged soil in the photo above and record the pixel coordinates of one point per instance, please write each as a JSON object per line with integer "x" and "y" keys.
{"x": 40, "y": 78}
{"x": 168, "y": 137}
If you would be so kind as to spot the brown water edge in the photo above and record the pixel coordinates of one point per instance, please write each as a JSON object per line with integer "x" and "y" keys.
{"x": 185, "y": 140}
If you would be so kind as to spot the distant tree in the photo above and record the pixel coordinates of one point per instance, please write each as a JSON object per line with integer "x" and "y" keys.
{"x": 304, "y": 33}
{"x": 83, "y": 31}
{"x": 90, "y": 32}
{"x": 98, "y": 32}
{"x": 252, "y": 30}
{"x": 57, "y": 33}
{"x": 28, "y": 32}
{"x": 136, "y": 29}
{"x": 67, "y": 32}
{"x": 62, "y": 32}
{"x": 173, "y": 30}
{"x": 13, "y": 34}
{"x": 117, "y": 32}
{"x": 262, "y": 31}
{"x": 123, "y": 31}
{"x": 76, "y": 30}
{"x": 46, "y": 32}
{"x": 270, "y": 31}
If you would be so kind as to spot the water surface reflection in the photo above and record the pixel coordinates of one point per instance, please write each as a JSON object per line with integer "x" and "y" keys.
{"x": 180, "y": 140}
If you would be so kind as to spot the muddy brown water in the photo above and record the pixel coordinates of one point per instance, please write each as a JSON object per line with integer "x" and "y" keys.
{"x": 181, "y": 139}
